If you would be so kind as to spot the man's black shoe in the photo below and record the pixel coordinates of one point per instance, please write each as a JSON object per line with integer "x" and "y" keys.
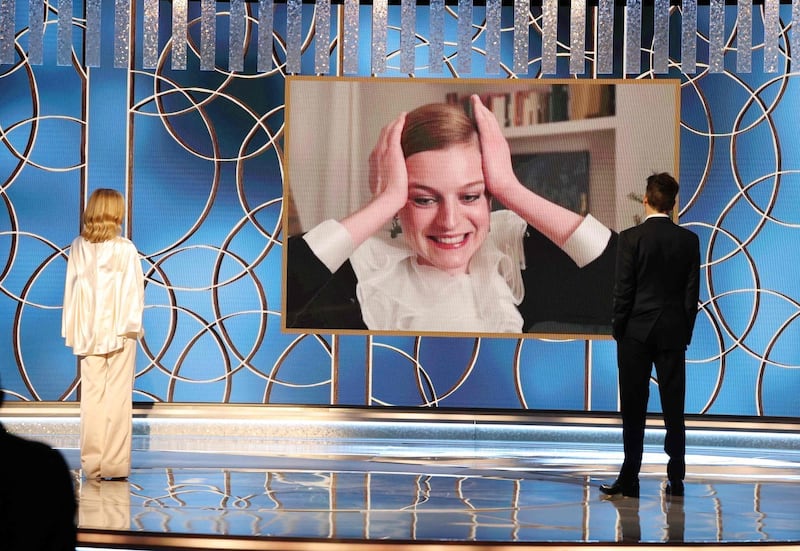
{"x": 627, "y": 489}
{"x": 674, "y": 488}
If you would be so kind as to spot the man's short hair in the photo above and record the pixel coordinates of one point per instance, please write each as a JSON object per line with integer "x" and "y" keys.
{"x": 662, "y": 190}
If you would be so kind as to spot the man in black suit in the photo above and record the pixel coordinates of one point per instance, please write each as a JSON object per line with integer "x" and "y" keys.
{"x": 37, "y": 499}
{"x": 656, "y": 290}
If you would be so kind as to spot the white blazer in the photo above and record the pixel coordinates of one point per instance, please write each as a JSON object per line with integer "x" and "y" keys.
{"x": 103, "y": 296}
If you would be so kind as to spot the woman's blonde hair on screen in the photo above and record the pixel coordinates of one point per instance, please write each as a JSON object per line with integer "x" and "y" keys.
{"x": 437, "y": 126}
{"x": 102, "y": 219}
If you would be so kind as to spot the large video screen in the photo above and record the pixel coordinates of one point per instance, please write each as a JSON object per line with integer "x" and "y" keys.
{"x": 468, "y": 207}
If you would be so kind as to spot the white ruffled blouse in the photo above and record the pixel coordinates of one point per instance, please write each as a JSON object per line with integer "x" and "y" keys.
{"x": 103, "y": 296}
{"x": 397, "y": 293}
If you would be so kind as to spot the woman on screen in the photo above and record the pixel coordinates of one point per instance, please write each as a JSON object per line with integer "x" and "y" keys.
{"x": 457, "y": 265}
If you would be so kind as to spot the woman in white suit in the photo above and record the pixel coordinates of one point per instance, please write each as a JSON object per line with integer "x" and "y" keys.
{"x": 101, "y": 322}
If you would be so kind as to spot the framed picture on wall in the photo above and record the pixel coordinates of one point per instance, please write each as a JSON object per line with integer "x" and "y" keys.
{"x": 560, "y": 177}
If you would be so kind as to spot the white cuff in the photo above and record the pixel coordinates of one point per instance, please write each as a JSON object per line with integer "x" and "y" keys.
{"x": 587, "y": 242}
{"x": 331, "y": 243}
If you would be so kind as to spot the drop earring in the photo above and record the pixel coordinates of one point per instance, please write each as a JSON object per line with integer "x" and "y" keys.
{"x": 396, "y": 229}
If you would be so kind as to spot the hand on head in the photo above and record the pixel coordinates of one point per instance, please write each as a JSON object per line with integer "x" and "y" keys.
{"x": 387, "y": 165}
{"x": 388, "y": 182}
{"x": 496, "y": 156}
{"x": 551, "y": 219}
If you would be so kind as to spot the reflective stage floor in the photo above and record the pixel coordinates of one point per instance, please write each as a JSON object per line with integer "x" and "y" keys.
{"x": 396, "y": 493}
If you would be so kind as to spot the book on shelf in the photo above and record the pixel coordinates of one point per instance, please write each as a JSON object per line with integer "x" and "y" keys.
{"x": 584, "y": 102}
{"x": 528, "y": 107}
{"x": 588, "y": 101}
{"x": 498, "y": 104}
{"x": 559, "y": 103}
{"x": 531, "y": 108}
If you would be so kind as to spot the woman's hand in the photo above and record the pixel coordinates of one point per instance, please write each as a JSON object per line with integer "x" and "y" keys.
{"x": 498, "y": 172}
{"x": 554, "y": 221}
{"x": 388, "y": 182}
{"x": 387, "y": 166}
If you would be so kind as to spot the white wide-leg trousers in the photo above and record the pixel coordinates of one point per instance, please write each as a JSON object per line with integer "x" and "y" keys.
{"x": 106, "y": 412}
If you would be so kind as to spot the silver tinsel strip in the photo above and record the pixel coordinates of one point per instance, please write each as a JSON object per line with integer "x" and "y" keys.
{"x": 522, "y": 14}
{"x": 64, "y": 37}
{"x": 208, "y": 34}
{"x": 7, "y": 17}
{"x": 795, "y": 32}
{"x": 605, "y": 37}
{"x": 122, "y": 33}
{"x": 772, "y": 28}
{"x": 179, "y": 26}
{"x": 266, "y": 22}
{"x": 436, "y": 36}
{"x": 350, "y": 49}
{"x": 408, "y": 24}
{"x": 577, "y": 39}
{"x": 92, "y": 40}
{"x": 36, "y": 32}
{"x": 380, "y": 20}
{"x": 493, "y": 13}
{"x": 633, "y": 37}
{"x": 464, "y": 60}
{"x": 603, "y": 46}
{"x": 236, "y": 36}
{"x": 549, "y": 36}
{"x": 716, "y": 36}
{"x": 322, "y": 37}
{"x": 150, "y": 34}
{"x": 744, "y": 36}
{"x": 294, "y": 35}
{"x": 689, "y": 36}
{"x": 661, "y": 36}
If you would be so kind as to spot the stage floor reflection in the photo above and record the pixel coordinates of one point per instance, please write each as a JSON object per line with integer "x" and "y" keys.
{"x": 550, "y": 495}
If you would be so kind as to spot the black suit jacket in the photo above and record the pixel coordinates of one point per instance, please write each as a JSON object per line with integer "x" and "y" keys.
{"x": 657, "y": 282}
{"x": 556, "y": 289}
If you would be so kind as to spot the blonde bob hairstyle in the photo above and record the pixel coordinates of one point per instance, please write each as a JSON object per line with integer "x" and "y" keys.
{"x": 102, "y": 219}
{"x": 437, "y": 126}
